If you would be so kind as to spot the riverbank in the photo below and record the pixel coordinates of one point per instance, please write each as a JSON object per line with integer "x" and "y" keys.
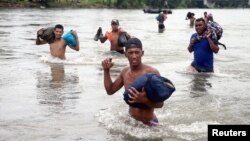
{"x": 24, "y": 4}
{"x": 126, "y": 4}
{"x": 62, "y": 4}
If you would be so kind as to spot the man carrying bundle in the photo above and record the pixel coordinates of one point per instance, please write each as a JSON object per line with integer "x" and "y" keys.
{"x": 57, "y": 42}
{"x": 137, "y": 71}
{"x": 116, "y": 35}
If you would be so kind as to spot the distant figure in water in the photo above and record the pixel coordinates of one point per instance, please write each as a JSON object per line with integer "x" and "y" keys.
{"x": 134, "y": 53}
{"x": 161, "y": 18}
{"x": 191, "y": 18}
{"x": 114, "y": 35}
{"x": 55, "y": 40}
{"x": 205, "y": 17}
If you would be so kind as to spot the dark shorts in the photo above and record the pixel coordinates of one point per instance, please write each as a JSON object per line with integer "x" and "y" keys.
{"x": 161, "y": 26}
{"x": 199, "y": 69}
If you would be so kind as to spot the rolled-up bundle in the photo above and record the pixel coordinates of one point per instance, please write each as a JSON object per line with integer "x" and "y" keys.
{"x": 158, "y": 89}
{"x": 47, "y": 34}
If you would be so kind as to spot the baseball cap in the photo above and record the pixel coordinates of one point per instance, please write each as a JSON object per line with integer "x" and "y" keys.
{"x": 133, "y": 43}
{"x": 115, "y": 21}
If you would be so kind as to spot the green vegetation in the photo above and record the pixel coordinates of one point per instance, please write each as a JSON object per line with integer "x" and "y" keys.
{"x": 125, "y": 3}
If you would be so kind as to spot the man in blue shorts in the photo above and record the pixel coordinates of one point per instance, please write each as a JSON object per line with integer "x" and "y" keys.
{"x": 203, "y": 47}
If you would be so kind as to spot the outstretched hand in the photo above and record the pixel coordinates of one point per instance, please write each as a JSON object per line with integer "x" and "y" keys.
{"x": 136, "y": 96}
{"x": 107, "y": 63}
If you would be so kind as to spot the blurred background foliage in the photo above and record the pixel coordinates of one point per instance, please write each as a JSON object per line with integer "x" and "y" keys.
{"x": 128, "y": 3}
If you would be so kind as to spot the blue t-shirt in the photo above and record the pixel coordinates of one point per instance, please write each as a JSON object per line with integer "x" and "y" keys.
{"x": 203, "y": 55}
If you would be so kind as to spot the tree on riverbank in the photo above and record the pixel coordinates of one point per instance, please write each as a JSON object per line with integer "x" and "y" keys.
{"x": 124, "y": 3}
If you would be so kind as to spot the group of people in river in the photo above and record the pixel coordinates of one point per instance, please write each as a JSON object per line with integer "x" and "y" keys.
{"x": 201, "y": 44}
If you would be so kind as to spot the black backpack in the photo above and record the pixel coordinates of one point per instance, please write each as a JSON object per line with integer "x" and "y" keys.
{"x": 122, "y": 39}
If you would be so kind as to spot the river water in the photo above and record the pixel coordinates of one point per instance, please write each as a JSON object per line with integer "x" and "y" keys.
{"x": 44, "y": 98}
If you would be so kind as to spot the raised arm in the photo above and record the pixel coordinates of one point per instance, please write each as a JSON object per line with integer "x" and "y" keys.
{"x": 103, "y": 38}
{"x": 111, "y": 87}
{"x": 77, "y": 47}
{"x": 214, "y": 47}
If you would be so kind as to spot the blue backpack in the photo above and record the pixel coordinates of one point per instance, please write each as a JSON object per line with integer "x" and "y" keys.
{"x": 70, "y": 39}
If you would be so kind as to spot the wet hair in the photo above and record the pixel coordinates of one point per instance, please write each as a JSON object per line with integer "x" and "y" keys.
{"x": 58, "y": 26}
{"x": 115, "y": 21}
{"x": 190, "y": 15}
{"x": 133, "y": 43}
{"x": 200, "y": 19}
